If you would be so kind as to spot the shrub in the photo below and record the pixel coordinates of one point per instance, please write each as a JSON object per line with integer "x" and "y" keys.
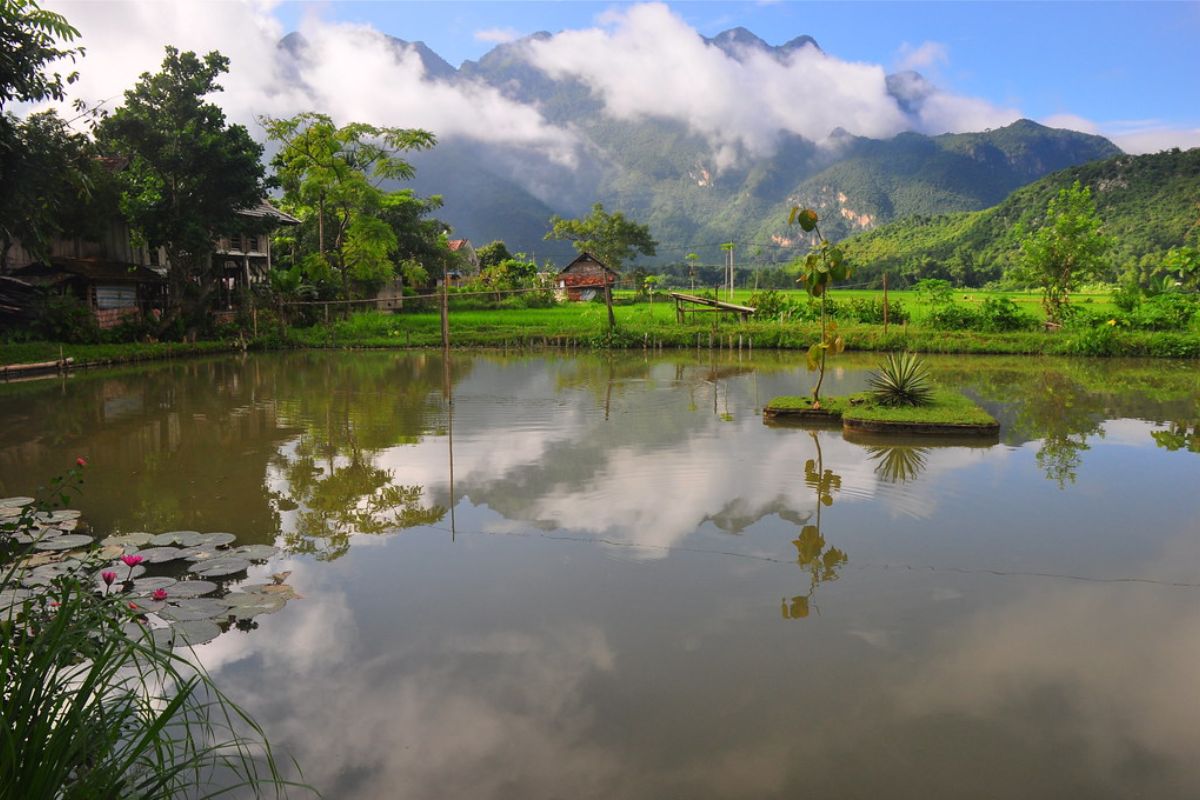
{"x": 999, "y": 314}
{"x": 65, "y": 318}
{"x": 952, "y": 317}
{"x": 870, "y": 311}
{"x": 901, "y": 380}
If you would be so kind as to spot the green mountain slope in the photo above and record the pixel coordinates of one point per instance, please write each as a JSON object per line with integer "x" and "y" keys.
{"x": 1148, "y": 203}
{"x": 659, "y": 172}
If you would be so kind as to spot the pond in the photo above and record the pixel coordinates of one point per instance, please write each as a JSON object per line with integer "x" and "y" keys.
{"x": 605, "y": 577}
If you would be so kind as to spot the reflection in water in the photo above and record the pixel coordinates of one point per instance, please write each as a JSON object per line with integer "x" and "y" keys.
{"x": 1179, "y": 436}
{"x": 899, "y": 463}
{"x": 621, "y": 530}
{"x": 819, "y": 561}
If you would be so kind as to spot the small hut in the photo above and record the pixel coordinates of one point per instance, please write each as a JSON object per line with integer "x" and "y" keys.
{"x": 585, "y": 278}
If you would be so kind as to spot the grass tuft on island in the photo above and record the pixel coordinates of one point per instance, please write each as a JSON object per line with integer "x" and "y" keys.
{"x": 949, "y": 413}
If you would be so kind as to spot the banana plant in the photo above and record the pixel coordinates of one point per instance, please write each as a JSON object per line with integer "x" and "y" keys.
{"x": 823, "y": 265}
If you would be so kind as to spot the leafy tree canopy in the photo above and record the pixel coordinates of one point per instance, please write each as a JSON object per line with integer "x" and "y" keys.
{"x": 188, "y": 172}
{"x": 1068, "y": 248}
{"x": 609, "y": 237}
{"x": 332, "y": 179}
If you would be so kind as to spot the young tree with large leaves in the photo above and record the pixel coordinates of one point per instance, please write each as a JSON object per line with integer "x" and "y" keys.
{"x": 1069, "y": 247}
{"x": 332, "y": 179}
{"x": 821, "y": 267}
{"x": 188, "y": 171}
{"x": 609, "y": 237}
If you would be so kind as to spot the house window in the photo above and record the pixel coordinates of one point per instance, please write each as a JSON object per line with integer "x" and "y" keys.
{"x": 116, "y": 297}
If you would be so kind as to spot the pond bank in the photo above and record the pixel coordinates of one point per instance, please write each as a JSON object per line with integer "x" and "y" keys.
{"x": 582, "y": 332}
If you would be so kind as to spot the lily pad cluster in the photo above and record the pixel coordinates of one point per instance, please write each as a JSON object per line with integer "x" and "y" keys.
{"x": 175, "y": 581}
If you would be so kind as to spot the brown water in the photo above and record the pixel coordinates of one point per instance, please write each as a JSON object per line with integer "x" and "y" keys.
{"x": 629, "y": 587}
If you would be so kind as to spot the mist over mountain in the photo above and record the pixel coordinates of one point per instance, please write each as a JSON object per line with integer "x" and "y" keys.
{"x": 717, "y": 151}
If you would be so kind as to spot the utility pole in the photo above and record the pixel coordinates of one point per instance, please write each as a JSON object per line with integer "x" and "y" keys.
{"x": 728, "y": 248}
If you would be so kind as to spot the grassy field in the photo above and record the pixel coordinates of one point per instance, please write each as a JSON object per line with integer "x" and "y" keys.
{"x": 653, "y": 325}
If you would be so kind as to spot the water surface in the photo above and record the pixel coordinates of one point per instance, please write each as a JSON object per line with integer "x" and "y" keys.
{"x": 605, "y": 577}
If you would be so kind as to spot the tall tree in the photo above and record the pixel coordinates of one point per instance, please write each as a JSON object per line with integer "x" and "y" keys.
{"x": 43, "y": 165}
{"x": 1069, "y": 247}
{"x": 188, "y": 172}
{"x": 332, "y": 179}
{"x": 609, "y": 237}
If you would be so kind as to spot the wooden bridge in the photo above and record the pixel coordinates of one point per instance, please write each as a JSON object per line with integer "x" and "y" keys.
{"x": 694, "y": 304}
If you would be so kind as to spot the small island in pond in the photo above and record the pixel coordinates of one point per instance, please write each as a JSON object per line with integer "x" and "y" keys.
{"x": 948, "y": 413}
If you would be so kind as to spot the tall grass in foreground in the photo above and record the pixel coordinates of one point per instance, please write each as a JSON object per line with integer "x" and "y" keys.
{"x": 91, "y": 707}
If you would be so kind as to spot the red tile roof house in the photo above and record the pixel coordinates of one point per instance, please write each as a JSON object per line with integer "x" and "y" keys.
{"x": 584, "y": 278}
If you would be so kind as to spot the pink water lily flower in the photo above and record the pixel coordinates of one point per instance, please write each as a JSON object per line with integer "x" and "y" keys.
{"x": 132, "y": 561}
{"x": 108, "y": 576}
{"x": 159, "y": 594}
{"x": 81, "y": 462}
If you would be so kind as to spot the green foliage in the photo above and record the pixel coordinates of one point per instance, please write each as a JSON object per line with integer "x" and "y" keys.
{"x": 609, "y": 237}
{"x": 901, "y": 380}
{"x": 1067, "y": 248}
{"x": 47, "y": 172}
{"x": 30, "y": 40}
{"x": 492, "y": 253}
{"x": 65, "y": 318}
{"x": 822, "y": 266}
{"x": 331, "y": 179}
{"x": 188, "y": 172}
{"x": 1147, "y": 204}
{"x": 999, "y": 314}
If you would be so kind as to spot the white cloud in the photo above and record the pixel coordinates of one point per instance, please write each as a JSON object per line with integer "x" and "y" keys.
{"x": 497, "y": 35}
{"x": 924, "y": 56}
{"x": 743, "y": 105}
{"x": 352, "y": 72}
{"x": 1132, "y": 136}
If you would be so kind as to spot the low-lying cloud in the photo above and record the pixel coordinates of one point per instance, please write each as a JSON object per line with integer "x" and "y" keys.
{"x": 641, "y": 61}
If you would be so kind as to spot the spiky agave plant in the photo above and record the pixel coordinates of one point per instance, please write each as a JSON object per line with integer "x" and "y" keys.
{"x": 902, "y": 380}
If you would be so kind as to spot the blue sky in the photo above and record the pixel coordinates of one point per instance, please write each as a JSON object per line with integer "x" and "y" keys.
{"x": 1124, "y": 66}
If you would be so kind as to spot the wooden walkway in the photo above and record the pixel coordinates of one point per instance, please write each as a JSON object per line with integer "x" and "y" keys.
{"x": 693, "y": 304}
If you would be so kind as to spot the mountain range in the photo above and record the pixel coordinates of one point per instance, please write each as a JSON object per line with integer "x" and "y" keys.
{"x": 1147, "y": 204}
{"x": 659, "y": 172}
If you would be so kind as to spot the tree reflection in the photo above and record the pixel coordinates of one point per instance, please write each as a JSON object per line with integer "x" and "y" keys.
{"x": 1178, "y": 436}
{"x": 815, "y": 557}
{"x": 359, "y": 410}
{"x": 898, "y": 463}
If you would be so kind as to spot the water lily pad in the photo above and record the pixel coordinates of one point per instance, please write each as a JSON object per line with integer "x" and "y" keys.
{"x": 196, "y": 631}
{"x": 202, "y": 553}
{"x": 255, "y": 552}
{"x": 61, "y": 515}
{"x": 16, "y": 502}
{"x": 195, "y": 608}
{"x": 160, "y": 555}
{"x": 64, "y": 542}
{"x": 109, "y": 552}
{"x": 148, "y": 585}
{"x": 144, "y": 606}
{"x": 180, "y": 538}
{"x": 10, "y": 598}
{"x": 220, "y": 567}
{"x": 216, "y": 539}
{"x": 184, "y": 589}
{"x": 8, "y": 512}
{"x": 244, "y": 605}
{"x": 269, "y": 588}
{"x": 129, "y": 540}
